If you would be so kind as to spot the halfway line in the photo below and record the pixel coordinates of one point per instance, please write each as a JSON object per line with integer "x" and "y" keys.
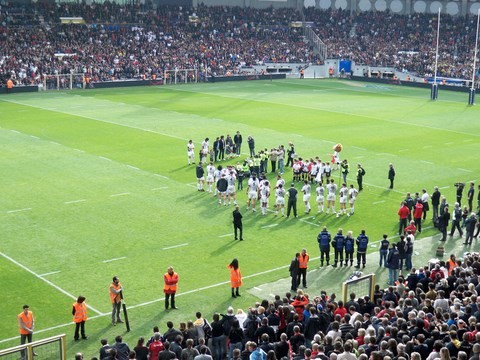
{"x": 175, "y": 246}
{"x": 49, "y": 273}
{"x": 74, "y": 201}
{"x": 110, "y": 260}
{"x": 18, "y": 210}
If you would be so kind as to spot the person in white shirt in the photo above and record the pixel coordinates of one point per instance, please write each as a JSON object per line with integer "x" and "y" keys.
{"x": 280, "y": 180}
{"x": 231, "y": 192}
{"x": 352, "y": 196}
{"x": 205, "y": 150}
{"x": 331, "y": 196}
{"x": 343, "y": 199}
{"x": 210, "y": 176}
{"x": 280, "y": 199}
{"x": 190, "y": 152}
{"x": 320, "y": 191}
{"x": 425, "y": 199}
{"x": 216, "y": 176}
{"x": 252, "y": 192}
{"x": 321, "y": 171}
{"x": 306, "y": 189}
{"x": 264, "y": 194}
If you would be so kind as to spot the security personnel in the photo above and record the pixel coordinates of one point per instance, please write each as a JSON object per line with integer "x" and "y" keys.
{"x": 360, "y": 174}
{"x": 345, "y": 169}
{"x": 170, "y": 279}
{"x": 324, "y": 239}
{"x": 302, "y": 267}
{"x": 9, "y": 85}
{"x": 362, "y": 243}
{"x": 116, "y": 299}
{"x": 338, "y": 245}
{"x": 26, "y": 323}
{"x": 349, "y": 249}
{"x": 79, "y": 312}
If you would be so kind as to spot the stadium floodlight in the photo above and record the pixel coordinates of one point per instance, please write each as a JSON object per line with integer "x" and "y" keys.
{"x": 434, "y": 91}
{"x": 471, "y": 96}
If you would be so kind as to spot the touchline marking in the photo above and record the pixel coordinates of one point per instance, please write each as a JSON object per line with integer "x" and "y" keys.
{"x": 192, "y": 185}
{"x": 163, "y": 177}
{"x": 226, "y": 235}
{"x": 55, "y": 143}
{"x": 35, "y": 137}
{"x": 268, "y": 226}
{"x": 378, "y": 202}
{"x": 78, "y": 150}
{"x": 444, "y": 187}
{"x": 426, "y": 162}
{"x": 133, "y": 167}
{"x": 121, "y": 194}
{"x": 49, "y": 273}
{"x": 257, "y": 288}
{"x": 18, "y": 210}
{"x": 466, "y": 170}
{"x": 47, "y": 281}
{"x": 359, "y": 148}
{"x": 115, "y": 259}
{"x": 15, "y": 131}
{"x": 74, "y": 201}
{"x": 175, "y": 246}
{"x": 308, "y": 222}
{"x": 105, "y": 158}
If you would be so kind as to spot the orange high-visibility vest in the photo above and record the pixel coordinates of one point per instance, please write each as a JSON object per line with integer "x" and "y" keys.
{"x": 235, "y": 277}
{"x": 9, "y": 84}
{"x": 27, "y": 320}
{"x": 303, "y": 261}
{"x": 115, "y": 297}
{"x": 170, "y": 286}
{"x": 80, "y": 312}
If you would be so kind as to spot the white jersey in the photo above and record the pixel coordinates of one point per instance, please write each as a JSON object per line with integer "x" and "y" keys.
{"x": 352, "y": 195}
{"x": 190, "y": 148}
{"x": 343, "y": 195}
{"x": 314, "y": 170}
{"x": 264, "y": 193}
{"x": 210, "y": 173}
{"x": 280, "y": 195}
{"x": 253, "y": 185}
{"x": 231, "y": 178}
{"x": 217, "y": 175}
{"x": 320, "y": 190}
{"x": 280, "y": 182}
{"x": 205, "y": 147}
{"x": 332, "y": 191}
{"x": 425, "y": 197}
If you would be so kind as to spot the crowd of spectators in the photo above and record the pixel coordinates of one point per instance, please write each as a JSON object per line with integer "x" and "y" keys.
{"x": 431, "y": 313}
{"x": 135, "y": 41}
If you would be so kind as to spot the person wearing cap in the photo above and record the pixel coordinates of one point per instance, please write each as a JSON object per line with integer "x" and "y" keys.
{"x": 26, "y": 323}
{"x": 391, "y": 175}
{"x": 79, "y": 312}
{"x": 116, "y": 299}
{"x": 360, "y": 174}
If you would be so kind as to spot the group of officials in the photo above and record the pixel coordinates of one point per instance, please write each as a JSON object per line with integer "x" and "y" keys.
{"x": 26, "y": 321}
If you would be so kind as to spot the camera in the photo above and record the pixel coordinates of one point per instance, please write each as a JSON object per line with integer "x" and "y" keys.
{"x": 460, "y": 185}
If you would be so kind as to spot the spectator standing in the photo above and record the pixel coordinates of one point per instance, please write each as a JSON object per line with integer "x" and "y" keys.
{"x": 384, "y": 244}
{"x": 391, "y": 175}
{"x": 155, "y": 347}
{"x": 123, "y": 351}
{"x": 294, "y": 271}
{"x": 435, "y": 202}
{"x": 393, "y": 264}
{"x": 251, "y": 146}
{"x": 456, "y": 219}
{"x": 235, "y": 277}
{"x": 237, "y": 140}
{"x": 79, "y": 312}
{"x": 403, "y": 214}
{"x": 470, "y": 228}
{"x": 443, "y": 221}
{"x": 470, "y": 195}
{"x": 141, "y": 351}
{"x": 417, "y": 216}
{"x": 237, "y": 222}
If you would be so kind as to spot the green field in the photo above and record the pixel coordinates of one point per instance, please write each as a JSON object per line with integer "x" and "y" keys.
{"x": 96, "y": 183}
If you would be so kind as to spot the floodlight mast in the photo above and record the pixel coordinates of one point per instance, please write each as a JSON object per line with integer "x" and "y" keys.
{"x": 434, "y": 92}
{"x": 471, "y": 97}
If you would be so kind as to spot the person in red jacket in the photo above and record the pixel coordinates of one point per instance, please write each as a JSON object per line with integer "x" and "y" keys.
{"x": 299, "y": 304}
{"x": 403, "y": 213}
{"x": 417, "y": 215}
{"x": 412, "y": 228}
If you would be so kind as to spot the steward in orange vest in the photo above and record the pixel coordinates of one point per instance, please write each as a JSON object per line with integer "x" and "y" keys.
{"x": 9, "y": 85}
{"x": 116, "y": 299}
{"x": 235, "y": 277}
{"x": 26, "y": 323}
{"x": 302, "y": 267}
{"x": 170, "y": 280}
{"x": 79, "y": 312}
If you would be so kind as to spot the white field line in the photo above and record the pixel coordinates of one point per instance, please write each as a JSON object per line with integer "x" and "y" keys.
{"x": 359, "y": 148}
{"x": 45, "y": 280}
{"x": 466, "y": 170}
{"x": 35, "y": 137}
{"x": 18, "y": 210}
{"x": 78, "y": 150}
{"x": 444, "y": 187}
{"x": 378, "y": 202}
{"x": 268, "y": 226}
{"x": 115, "y": 259}
{"x": 308, "y": 222}
{"x": 105, "y": 158}
{"x": 163, "y": 177}
{"x": 175, "y": 246}
{"x": 15, "y": 131}
{"x": 192, "y": 185}
{"x": 426, "y": 162}
{"x": 402, "y": 150}
{"x": 49, "y": 273}
{"x": 226, "y": 235}
{"x": 184, "y": 293}
{"x": 120, "y": 194}
{"x": 55, "y": 143}
{"x": 133, "y": 167}
{"x": 257, "y": 288}
{"x": 74, "y": 201}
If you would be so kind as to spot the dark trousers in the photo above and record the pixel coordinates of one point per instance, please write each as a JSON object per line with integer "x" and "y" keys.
{"x": 79, "y": 327}
{"x": 360, "y": 182}
{"x": 361, "y": 258}
{"x": 252, "y": 151}
{"x": 289, "y": 161}
{"x": 443, "y": 230}
{"x": 292, "y": 204}
{"x": 23, "y": 340}
{"x": 456, "y": 225}
{"x": 391, "y": 183}
{"x": 294, "y": 276}
{"x": 418, "y": 224}
{"x": 348, "y": 257}
{"x": 435, "y": 212}
{"x": 338, "y": 255}
{"x": 172, "y": 301}
{"x": 401, "y": 226}
{"x": 302, "y": 275}
{"x": 238, "y": 227}
{"x": 221, "y": 154}
{"x": 274, "y": 165}
{"x": 324, "y": 253}
{"x": 238, "y": 149}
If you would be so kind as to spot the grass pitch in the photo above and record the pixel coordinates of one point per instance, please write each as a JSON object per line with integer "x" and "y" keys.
{"x": 96, "y": 183}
